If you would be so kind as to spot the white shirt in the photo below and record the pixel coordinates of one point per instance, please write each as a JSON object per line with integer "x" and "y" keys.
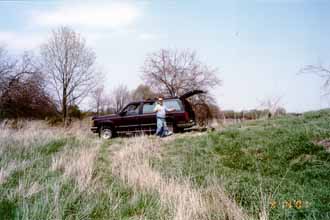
{"x": 161, "y": 110}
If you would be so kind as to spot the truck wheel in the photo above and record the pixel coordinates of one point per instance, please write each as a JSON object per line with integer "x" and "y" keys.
{"x": 173, "y": 128}
{"x": 179, "y": 130}
{"x": 106, "y": 133}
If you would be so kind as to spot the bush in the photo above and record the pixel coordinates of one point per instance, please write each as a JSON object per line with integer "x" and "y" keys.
{"x": 74, "y": 112}
{"x": 54, "y": 121}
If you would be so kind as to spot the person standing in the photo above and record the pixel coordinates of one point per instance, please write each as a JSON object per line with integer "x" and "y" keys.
{"x": 161, "y": 110}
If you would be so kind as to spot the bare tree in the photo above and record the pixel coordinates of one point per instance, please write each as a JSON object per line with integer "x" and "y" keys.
{"x": 143, "y": 92}
{"x": 205, "y": 108}
{"x": 98, "y": 99}
{"x": 69, "y": 64}
{"x": 120, "y": 97}
{"x": 175, "y": 72}
{"x": 7, "y": 66}
{"x": 26, "y": 97}
{"x": 108, "y": 105}
{"x": 320, "y": 71}
{"x": 12, "y": 69}
{"x": 273, "y": 105}
{"x": 22, "y": 88}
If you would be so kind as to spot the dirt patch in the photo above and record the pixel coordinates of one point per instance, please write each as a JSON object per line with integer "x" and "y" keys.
{"x": 325, "y": 143}
{"x": 302, "y": 159}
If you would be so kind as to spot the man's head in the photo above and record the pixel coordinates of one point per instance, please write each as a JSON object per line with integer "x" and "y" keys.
{"x": 160, "y": 100}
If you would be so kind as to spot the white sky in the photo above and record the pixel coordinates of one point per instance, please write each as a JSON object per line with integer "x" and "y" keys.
{"x": 258, "y": 46}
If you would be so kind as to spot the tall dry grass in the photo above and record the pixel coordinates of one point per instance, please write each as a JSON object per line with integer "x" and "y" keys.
{"x": 17, "y": 145}
{"x": 131, "y": 164}
{"x": 11, "y": 166}
{"x": 43, "y": 169}
{"x": 218, "y": 201}
{"x": 76, "y": 160}
{"x": 77, "y": 164}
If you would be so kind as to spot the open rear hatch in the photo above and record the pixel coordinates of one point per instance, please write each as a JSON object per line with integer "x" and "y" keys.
{"x": 188, "y": 107}
{"x": 191, "y": 93}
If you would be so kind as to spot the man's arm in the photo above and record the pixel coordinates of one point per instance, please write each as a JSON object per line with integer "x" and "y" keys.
{"x": 170, "y": 109}
{"x": 156, "y": 109}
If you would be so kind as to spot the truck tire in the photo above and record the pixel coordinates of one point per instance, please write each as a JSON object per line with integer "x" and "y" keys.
{"x": 174, "y": 128}
{"x": 106, "y": 133}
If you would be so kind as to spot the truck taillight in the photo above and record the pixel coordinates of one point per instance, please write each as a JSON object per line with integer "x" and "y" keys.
{"x": 186, "y": 116}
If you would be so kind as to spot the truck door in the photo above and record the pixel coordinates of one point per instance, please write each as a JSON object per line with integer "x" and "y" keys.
{"x": 128, "y": 118}
{"x": 147, "y": 118}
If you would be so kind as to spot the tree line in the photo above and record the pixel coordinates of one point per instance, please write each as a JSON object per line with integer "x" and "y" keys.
{"x": 23, "y": 90}
{"x": 54, "y": 82}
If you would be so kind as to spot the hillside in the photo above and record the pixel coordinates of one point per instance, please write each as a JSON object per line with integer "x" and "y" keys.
{"x": 264, "y": 169}
{"x": 278, "y": 168}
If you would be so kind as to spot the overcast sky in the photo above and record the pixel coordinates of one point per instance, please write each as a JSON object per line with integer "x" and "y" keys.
{"x": 258, "y": 46}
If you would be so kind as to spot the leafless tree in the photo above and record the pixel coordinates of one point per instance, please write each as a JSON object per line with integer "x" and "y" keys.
{"x": 108, "y": 105}
{"x": 120, "y": 97}
{"x": 12, "y": 69}
{"x": 26, "y": 98}
{"x": 205, "y": 108}
{"x": 7, "y": 66}
{"x": 320, "y": 71}
{"x": 98, "y": 99}
{"x": 143, "y": 92}
{"x": 173, "y": 72}
{"x": 273, "y": 105}
{"x": 70, "y": 67}
{"x": 22, "y": 88}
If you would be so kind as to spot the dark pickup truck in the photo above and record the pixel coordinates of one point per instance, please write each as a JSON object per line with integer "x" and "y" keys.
{"x": 138, "y": 116}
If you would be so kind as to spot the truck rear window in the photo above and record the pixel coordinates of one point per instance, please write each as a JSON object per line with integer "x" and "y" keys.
{"x": 174, "y": 104}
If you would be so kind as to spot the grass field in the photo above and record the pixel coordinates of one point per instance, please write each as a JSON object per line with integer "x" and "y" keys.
{"x": 272, "y": 168}
{"x": 265, "y": 169}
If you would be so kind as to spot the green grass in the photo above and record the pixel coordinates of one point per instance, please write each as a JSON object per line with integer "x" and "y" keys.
{"x": 277, "y": 158}
{"x": 120, "y": 201}
{"x": 58, "y": 197}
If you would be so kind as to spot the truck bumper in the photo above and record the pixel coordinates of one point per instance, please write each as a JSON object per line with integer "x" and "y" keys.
{"x": 186, "y": 124}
